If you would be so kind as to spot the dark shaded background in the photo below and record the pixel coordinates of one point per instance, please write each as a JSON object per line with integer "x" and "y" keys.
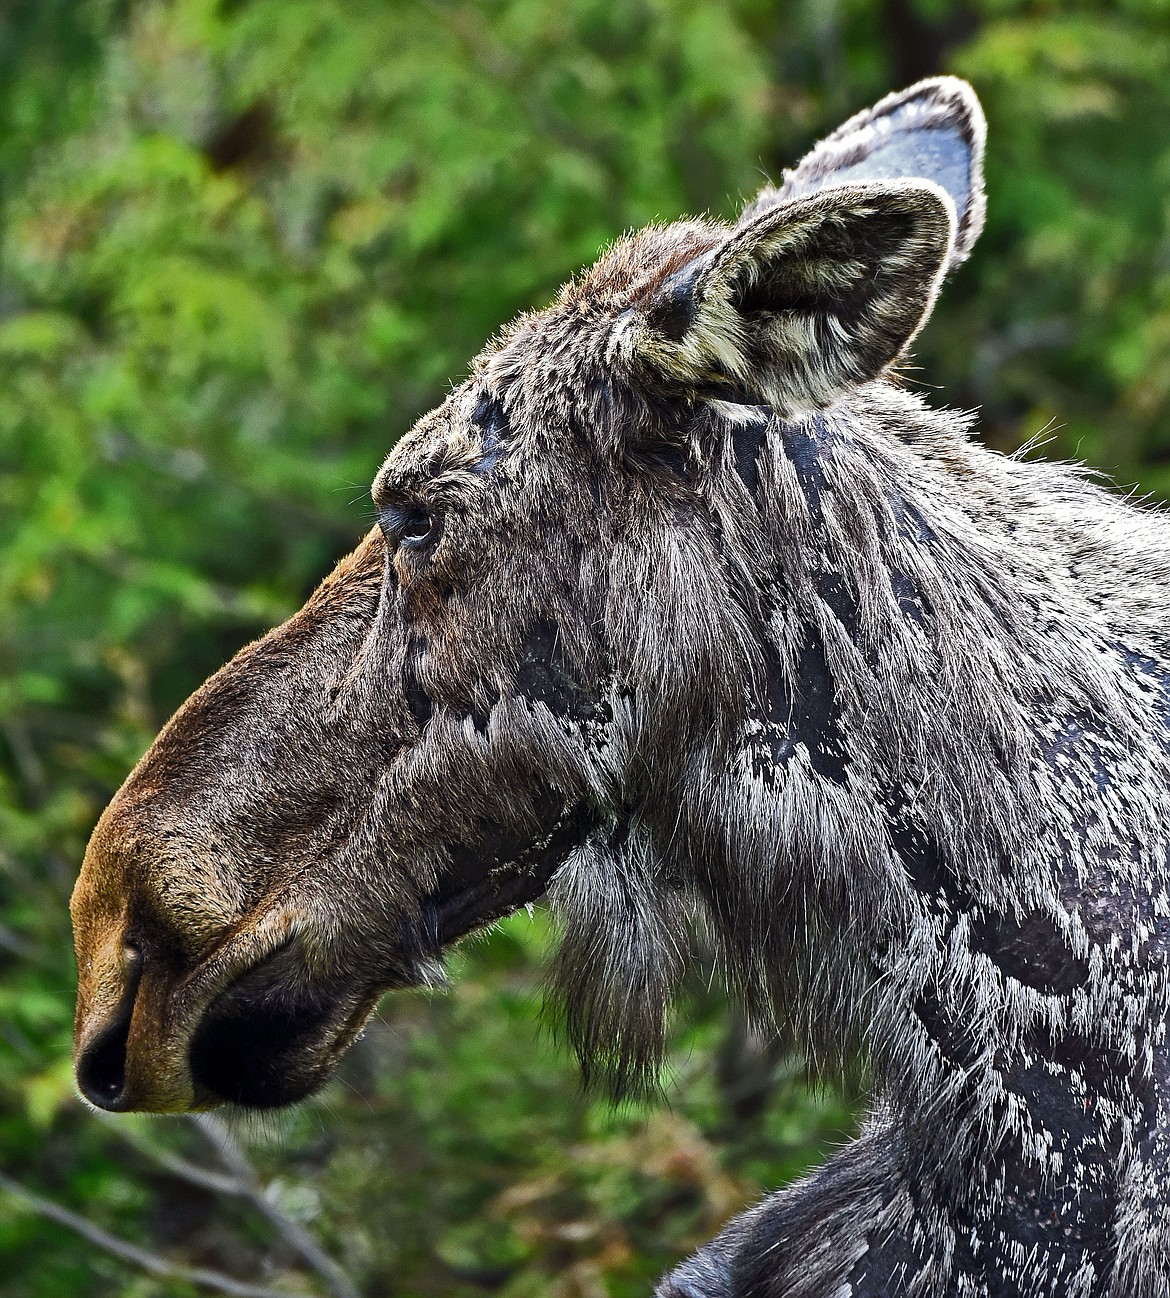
{"x": 244, "y": 244}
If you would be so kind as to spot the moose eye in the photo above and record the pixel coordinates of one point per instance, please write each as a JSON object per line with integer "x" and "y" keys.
{"x": 414, "y": 526}
{"x": 419, "y": 528}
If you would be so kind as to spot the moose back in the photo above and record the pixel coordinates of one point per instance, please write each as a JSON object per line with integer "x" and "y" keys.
{"x": 681, "y": 611}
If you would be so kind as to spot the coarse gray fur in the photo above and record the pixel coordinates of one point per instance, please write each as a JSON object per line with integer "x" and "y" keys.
{"x": 681, "y": 609}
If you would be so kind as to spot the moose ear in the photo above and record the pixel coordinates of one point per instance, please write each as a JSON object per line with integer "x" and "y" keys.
{"x": 934, "y": 130}
{"x": 809, "y": 298}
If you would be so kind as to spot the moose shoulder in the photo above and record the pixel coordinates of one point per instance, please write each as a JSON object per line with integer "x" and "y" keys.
{"x": 681, "y": 611}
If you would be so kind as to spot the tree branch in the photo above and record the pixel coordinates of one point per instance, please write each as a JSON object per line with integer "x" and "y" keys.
{"x": 240, "y": 1182}
{"x": 152, "y": 1263}
{"x": 183, "y": 1168}
{"x": 229, "y": 1152}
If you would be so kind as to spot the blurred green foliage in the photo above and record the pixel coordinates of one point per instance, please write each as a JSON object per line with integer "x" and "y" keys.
{"x": 244, "y": 243}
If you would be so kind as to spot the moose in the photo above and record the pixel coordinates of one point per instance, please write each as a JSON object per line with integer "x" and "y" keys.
{"x": 684, "y": 612}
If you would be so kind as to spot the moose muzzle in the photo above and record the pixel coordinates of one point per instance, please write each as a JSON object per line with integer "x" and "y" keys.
{"x": 164, "y": 1028}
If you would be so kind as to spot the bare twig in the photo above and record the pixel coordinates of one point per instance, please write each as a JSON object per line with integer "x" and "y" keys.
{"x": 239, "y": 1182}
{"x": 14, "y": 944}
{"x": 229, "y": 1152}
{"x": 28, "y": 763}
{"x": 150, "y": 1262}
{"x": 183, "y": 1168}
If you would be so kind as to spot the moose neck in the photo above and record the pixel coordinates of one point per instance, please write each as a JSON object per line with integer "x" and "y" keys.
{"x": 905, "y": 853}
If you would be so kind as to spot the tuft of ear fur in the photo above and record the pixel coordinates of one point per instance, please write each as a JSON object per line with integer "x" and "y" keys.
{"x": 934, "y": 130}
{"x": 811, "y": 297}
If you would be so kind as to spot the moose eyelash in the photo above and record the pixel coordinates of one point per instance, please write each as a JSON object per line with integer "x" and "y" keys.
{"x": 412, "y": 526}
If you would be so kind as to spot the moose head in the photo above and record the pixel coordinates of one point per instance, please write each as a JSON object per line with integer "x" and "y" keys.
{"x": 607, "y": 641}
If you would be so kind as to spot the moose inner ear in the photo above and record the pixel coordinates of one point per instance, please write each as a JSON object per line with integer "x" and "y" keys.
{"x": 934, "y": 130}
{"x": 812, "y": 297}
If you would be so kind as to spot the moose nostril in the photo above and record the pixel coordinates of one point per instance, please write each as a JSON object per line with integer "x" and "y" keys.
{"x": 101, "y": 1070}
{"x": 101, "y": 1067}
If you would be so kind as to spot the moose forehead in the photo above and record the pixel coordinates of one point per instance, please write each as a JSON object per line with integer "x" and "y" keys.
{"x": 557, "y": 362}
{"x": 633, "y": 270}
{"x": 445, "y": 451}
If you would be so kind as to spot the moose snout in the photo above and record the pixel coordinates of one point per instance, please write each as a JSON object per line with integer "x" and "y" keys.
{"x": 159, "y": 936}
{"x": 143, "y": 993}
{"x": 249, "y": 1014}
{"x": 240, "y": 1027}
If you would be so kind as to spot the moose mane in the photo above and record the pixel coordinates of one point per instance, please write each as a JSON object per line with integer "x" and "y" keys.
{"x": 911, "y": 716}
